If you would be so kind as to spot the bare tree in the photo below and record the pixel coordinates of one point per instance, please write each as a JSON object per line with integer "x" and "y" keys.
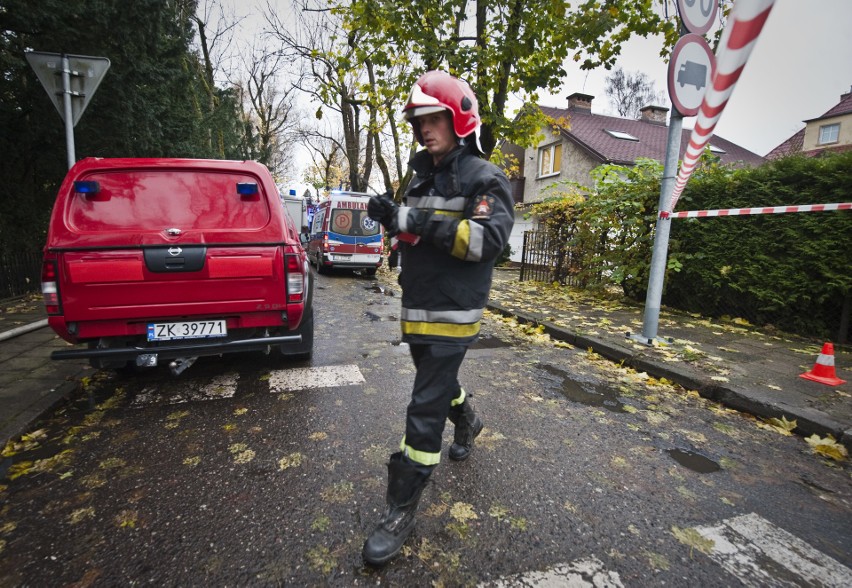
{"x": 330, "y": 74}
{"x": 272, "y": 108}
{"x": 629, "y": 92}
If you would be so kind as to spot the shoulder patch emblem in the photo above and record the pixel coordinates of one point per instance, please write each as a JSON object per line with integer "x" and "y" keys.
{"x": 484, "y": 206}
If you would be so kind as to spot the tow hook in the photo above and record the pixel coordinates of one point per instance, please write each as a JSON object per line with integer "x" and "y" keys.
{"x": 178, "y": 365}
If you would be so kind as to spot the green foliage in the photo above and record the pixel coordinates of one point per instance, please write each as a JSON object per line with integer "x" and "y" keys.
{"x": 500, "y": 47}
{"x": 606, "y": 236}
{"x": 788, "y": 270}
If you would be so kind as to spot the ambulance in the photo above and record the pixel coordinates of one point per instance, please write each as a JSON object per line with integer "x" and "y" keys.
{"x": 343, "y": 236}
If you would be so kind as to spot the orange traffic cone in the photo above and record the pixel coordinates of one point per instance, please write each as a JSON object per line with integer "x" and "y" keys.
{"x": 823, "y": 371}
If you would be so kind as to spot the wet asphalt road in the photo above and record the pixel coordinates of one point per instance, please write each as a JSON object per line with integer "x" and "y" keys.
{"x": 236, "y": 474}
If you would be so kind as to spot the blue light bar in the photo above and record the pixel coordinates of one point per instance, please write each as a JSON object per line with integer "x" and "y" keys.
{"x": 86, "y": 187}
{"x": 246, "y": 188}
{"x": 292, "y": 192}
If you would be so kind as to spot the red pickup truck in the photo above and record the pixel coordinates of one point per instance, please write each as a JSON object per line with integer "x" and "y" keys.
{"x": 172, "y": 259}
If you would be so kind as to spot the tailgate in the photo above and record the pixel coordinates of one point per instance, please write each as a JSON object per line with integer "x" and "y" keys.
{"x": 162, "y": 282}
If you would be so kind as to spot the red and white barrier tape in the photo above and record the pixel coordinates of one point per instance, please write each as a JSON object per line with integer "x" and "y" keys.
{"x": 757, "y": 210}
{"x": 738, "y": 39}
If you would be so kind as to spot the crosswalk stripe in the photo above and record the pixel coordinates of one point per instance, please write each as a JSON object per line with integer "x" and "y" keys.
{"x": 314, "y": 377}
{"x": 742, "y": 545}
{"x": 583, "y": 573}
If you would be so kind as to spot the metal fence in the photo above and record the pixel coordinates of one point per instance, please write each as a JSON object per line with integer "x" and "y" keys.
{"x": 20, "y": 273}
{"x": 546, "y": 259}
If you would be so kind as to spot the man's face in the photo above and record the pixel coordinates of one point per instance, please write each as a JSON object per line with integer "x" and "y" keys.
{"x": 437, "y": 132}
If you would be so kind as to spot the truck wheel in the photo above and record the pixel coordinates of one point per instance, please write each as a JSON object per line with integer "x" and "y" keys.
{"x": 305, "y": 349}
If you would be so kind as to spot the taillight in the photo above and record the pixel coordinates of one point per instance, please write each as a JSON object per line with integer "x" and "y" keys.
{"x": 295, "y": 278}
{"x": 49, "y": 287}
{"x": 325, "y": 242}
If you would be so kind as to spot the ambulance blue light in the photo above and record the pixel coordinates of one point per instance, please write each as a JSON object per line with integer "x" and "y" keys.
{"x": 246, "y": 188}
{"x": 292, "y": 192}
{"x": 86, "y": 187}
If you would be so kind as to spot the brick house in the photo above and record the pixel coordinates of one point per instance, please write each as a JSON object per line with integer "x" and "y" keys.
{"x": 829, "y": 133}
{"x": 591, "y": 140}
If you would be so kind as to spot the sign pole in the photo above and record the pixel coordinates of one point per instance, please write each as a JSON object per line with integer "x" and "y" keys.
{"x": 69, "y": 118}
{"x": 659, "y": 253}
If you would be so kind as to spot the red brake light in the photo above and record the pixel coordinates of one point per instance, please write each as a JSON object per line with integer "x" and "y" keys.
{"x": 295, "y": 278}
{"x": 49, "y": 287}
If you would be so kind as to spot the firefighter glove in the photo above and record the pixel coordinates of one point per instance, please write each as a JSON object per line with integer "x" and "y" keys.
{"x": 382, "y": 208}
{"x": 417, "y": 220}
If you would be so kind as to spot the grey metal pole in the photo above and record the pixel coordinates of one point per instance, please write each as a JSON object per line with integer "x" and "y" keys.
{"x": 69, "y": 116}
{"x": 653, "y": 298}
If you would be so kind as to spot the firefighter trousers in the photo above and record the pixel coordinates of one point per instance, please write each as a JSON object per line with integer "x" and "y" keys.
{"x": 436, "y": 387}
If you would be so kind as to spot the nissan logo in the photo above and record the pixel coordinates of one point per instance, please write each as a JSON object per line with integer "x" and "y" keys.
{"x": 174, "y": 251}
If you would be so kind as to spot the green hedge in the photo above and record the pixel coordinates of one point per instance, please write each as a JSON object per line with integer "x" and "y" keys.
{"x": 793, "y": 271}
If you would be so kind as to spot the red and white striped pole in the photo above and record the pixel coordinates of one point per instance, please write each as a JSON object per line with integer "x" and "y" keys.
{"x": 738, "y": 39}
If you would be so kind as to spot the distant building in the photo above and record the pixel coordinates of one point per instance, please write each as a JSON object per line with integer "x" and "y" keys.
{"x": 585, "y": 141}
{"x": 829, "y": 133}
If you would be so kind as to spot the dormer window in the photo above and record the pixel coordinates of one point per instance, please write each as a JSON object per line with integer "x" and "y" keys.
{"x": 621, "y": 135}
{"x": 829, "y": 133}
{"x": 550, "y": 160}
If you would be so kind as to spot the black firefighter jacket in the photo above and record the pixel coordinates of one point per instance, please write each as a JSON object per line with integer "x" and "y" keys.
{"x": 446, "y": 275}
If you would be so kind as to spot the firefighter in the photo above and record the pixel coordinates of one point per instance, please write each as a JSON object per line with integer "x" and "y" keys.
{"x": 456, "y": 221}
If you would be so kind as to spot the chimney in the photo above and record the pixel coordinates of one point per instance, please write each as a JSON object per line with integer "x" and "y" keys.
{"x": 580, "y": 101}
{"x": 653, "y": 114}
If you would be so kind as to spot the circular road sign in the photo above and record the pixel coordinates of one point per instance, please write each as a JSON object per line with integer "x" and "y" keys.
{"x": 690, "y": 73}
{"x": 698, "y": 15}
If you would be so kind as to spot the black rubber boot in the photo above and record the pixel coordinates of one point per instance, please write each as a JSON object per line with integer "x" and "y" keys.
{"x": 468, "y": 426}
{"x": 406, "y": 480}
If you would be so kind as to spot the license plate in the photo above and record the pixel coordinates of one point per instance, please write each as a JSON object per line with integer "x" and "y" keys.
{"x": 187, "y": 330}
{"x": 341, "y": 257}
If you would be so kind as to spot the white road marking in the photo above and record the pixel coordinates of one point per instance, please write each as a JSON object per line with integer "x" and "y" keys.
{"x": 744, "y": 545}
{"x": 314, "y": 377}
{"x": 179, "y": 391}
{"x": 584, "y": 573}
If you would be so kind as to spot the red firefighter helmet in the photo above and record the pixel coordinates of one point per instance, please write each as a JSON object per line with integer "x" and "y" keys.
{"x": 437, "y": 90}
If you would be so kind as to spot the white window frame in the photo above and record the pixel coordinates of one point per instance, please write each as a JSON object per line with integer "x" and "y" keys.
{"x": 622, "y": 135}
{"x": 554, "y": 167}
{"x": 829, "y": 133}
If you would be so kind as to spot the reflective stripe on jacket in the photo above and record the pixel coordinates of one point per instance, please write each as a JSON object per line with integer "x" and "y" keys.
{"x": 446, "y": 277}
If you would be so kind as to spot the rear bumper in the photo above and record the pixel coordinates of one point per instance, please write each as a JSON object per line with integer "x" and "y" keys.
{"x": 174, "y": 351}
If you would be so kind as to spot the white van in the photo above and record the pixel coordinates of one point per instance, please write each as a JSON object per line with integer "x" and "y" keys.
{"x": 343, "y": 236}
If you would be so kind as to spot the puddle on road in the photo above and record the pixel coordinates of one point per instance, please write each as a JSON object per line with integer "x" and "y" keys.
{"x": 577, "y": 392}
{"x": 694, "y": 461}
{"x": 489, "y": 342}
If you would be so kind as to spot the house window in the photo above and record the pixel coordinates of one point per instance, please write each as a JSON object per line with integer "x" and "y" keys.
{"x": 829, "y": 133}
{"x": 550, "y": 160}
{"x": 621, "y": 135}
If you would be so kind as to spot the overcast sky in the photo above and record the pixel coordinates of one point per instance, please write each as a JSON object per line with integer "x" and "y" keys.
{"x": 800, "y": 66}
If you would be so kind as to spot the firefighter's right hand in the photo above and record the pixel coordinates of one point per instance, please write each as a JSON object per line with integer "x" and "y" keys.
{"x": 382, "y": 208}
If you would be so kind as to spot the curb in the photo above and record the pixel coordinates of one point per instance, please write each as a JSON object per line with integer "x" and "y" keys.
{"x": 808, "y": 421}
{"x": 19, "y": 425}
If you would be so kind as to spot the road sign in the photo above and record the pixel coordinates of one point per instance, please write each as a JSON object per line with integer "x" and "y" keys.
{"x": 698, "y": 15}
{"x": 84, "y": 76}
{"x": 690, "y": 72}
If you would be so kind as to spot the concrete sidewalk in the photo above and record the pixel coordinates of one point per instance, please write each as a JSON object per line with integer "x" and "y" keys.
{"x": 30, "y": 382}
{"x": 743, "y": 368}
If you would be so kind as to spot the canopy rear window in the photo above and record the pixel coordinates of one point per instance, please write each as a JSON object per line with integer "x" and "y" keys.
{"x": 152, "y": 200}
